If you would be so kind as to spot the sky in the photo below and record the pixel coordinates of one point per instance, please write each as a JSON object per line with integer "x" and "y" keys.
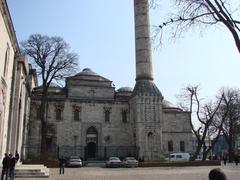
{"x": 101, "y": 32}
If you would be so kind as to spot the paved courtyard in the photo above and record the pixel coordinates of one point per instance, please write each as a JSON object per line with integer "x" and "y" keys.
{"x": 157, "y": 173}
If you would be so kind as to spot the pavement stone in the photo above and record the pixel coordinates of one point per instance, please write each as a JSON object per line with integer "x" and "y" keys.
{"x": 154, "y": 173}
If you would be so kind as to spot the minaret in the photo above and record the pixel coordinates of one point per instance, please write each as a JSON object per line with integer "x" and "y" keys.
{"x": 142, "y": 41}
{"x": 144, "y": 75}
{"x": 146, "y": 100}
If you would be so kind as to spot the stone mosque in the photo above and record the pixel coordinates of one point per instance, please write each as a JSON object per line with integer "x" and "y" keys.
{"x": 90, "y": 118}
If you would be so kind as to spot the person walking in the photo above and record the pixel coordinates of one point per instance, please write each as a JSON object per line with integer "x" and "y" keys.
{"x": 17, "y": 157}
{"x": 236, "y": 160}
{"x": 217, "y": 174}
{"x": 5, "y": 167}
{"x": 12, "y": 166}
{"x": 62, "y": 162}
{"x": 224, "y": 160}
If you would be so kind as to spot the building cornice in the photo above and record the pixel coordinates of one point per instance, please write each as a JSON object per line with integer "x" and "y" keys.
{"x": 9, "y": 25}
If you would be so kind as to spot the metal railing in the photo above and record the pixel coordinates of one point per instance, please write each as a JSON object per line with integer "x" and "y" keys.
{"x": 99, "y": 153}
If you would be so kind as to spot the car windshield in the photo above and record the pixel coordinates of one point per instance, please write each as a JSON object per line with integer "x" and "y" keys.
{"x": 75, "y": 160}
{"x": 113, "y": 158}
{"x": 179, "y": 156}
{"x": 130, "y": 158}
{"x": 74, "y": 157}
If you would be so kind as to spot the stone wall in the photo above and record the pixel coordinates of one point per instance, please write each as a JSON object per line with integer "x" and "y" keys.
{"x": 69, "y": 132}
{"x": 8, "y": 47}
{"x": 176, "y": 128}
{"x": 146, "y": 112}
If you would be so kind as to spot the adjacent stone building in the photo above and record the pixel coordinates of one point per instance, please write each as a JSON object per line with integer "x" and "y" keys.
{"x": 16, "y": 81}
{"x": 8, "y": 50}
{"x": 90, "y": 118}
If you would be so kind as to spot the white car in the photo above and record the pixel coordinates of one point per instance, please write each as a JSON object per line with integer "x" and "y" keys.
{"x": 113, "y": 162}
{"x": 74, "y": 161}
{"x": 179, "y": 157}
{"x": 130, "y": 162}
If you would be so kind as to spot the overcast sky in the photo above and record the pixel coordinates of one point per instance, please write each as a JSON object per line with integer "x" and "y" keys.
{"x": 102, "y": 33}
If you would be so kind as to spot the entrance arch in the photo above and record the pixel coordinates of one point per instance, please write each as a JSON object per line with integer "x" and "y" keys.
{"x": 91, "y": 141}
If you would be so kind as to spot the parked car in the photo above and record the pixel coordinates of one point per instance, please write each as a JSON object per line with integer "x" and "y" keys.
{"x": 130, "y": 162}
{"x": 179, "y": 157}
{"x": 113, "y": 162}
{"x": 74, "y": 161}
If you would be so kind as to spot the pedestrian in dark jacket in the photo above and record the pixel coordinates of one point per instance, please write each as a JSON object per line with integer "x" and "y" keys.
{"x": 236, "y": 160}
{"x": 62, "y": 162}
{"x": 224, "y": 160}
{"x": 5, "y": 167}
{"x": 12, "y": 166}
{"x": 17, "y": 157}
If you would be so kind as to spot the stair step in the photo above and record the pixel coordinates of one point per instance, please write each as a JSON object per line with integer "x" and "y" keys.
{"x": 31, "y": 171}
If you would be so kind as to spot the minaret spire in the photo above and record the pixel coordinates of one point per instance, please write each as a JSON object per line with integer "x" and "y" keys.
{"x": 146, "y": 100}
{"x": 142, "y": 41}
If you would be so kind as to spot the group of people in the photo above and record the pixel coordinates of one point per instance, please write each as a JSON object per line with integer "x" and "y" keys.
{"x": 8, "y": 166}
{"x": 236, "y": 159}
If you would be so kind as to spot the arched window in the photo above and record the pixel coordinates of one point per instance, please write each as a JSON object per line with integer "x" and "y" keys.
{"x": 6, "y": 61}
{"x": 91, "y": 135}
{"x": 38, "y": 113}
{"x": 76, "y": 112}
{"x": 107, "y": 116}
{"x": 182, "y": 146}
{"x": 150, "y": 139}
{"x": 91, "y": 130}
{"x": 150, "y": 134}
{"x": 124, "y": 116}
{"x": 107, "y": 111}
{"x": 76, "y": 115}
{"x": 58, "y": 114}
{"x": 59, "y": 111}
{"x": 170, "y": 146}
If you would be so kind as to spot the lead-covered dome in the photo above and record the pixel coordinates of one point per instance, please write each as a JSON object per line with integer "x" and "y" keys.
{"x": 170, "y": 106}
{"x": 125, "y": 89}
{"x": 88, "y": 72}
{"x": 89, "y": 75}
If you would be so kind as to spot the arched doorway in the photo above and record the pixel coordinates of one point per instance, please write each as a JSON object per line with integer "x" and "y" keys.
{"x": 91, "y": 149}
{"x": 150, "y": 146}
{"x": 91, "y": 141}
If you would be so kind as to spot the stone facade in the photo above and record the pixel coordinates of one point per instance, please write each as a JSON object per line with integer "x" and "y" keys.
{"x": 16, "y": 81}
{"x": 8, "y": 49}
{"x": 91, "y": 119}
{"x": 24, "y": 80}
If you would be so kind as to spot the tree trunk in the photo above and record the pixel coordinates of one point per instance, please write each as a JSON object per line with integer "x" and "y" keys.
{"x": 205, "y": 153}
{"x": 199, "y": 146}
{"x": 230, "y": 152}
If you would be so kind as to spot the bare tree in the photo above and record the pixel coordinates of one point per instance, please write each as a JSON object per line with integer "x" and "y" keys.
{"x": 203, "y": 120}
{"x": 53, "y": 61}
{"x": 201, "y": 12}
{"x": 230, "y": 106}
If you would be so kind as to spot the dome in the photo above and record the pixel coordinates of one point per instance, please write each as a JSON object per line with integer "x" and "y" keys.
{"x": 52, "y": 85}
{"x": 87, "y": 72}
{"x": 167, "y": 104}
{"x": 125, "y": 89}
